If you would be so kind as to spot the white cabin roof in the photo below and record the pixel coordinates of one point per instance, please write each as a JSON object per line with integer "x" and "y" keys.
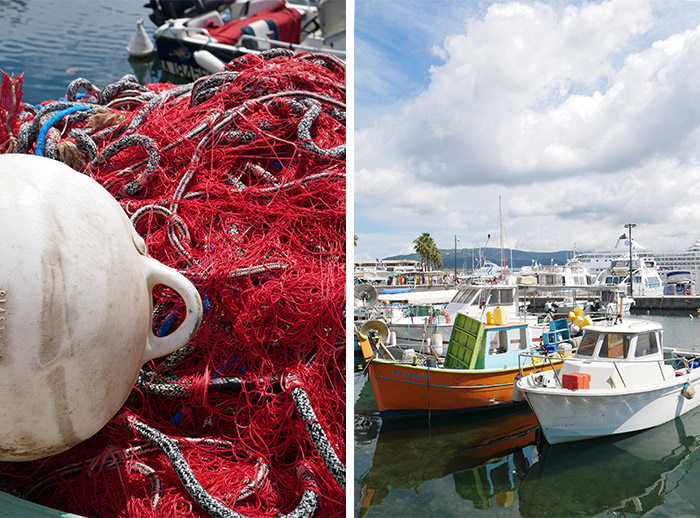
{"x": 627, "y": 326}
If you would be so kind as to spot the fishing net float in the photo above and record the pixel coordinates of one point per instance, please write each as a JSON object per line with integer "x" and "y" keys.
{"x": 237, "y": 181}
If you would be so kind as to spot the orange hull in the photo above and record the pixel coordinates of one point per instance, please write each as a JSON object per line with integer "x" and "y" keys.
{"x": 402, "y": 390}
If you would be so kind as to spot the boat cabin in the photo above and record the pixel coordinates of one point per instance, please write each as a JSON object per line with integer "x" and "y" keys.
{"x": 628, "y": 354}
{"x": 477, "y": 345}
{"x": 475, "y": 300}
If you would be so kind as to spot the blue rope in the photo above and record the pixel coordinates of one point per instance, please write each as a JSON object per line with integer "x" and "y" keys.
{"x": 41, "y": 139}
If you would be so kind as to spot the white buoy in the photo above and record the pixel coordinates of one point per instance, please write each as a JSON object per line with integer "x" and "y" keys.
{"x": 436, "y": 341}
{"x": 140, "y": 45}
{"x": 75, "y": 307}
{"x": 392, "y": 339}
{"x": 517, "y": 395}
{"x": 208, "y": 61}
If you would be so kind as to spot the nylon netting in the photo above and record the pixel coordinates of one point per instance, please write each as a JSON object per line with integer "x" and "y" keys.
{"x": 238, "y": 182}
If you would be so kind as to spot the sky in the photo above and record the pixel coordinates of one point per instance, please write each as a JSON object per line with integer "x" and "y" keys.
{"x": 581, "y": 117}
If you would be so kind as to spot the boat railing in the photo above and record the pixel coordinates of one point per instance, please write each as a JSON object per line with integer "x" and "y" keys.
{"x": 292, "y": 46}
{"x": 249, "y": 37}
{"x": 540, "y": 361}
{"x": 682, "y": 362}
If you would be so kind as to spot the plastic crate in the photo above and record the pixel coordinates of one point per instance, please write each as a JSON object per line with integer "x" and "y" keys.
{"x": 576, "y": 381}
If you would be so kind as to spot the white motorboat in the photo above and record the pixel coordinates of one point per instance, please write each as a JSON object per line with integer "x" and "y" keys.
{"x": 620, "y": 380}
{"x": 681, "y": 282}
{"x": 197, "y": 37}
{"x": 573, "y": 273}
{"x": 646, "y": 281}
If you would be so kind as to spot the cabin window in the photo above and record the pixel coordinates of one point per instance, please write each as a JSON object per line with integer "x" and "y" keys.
{"x": 588, "y": 343}
{"x": 647, "y": 344}
{"x": 498, "y": 342}
{"x": 506, "y": 297}
{"x": 464, "y": 296}
{"x": 614, "y": 346}
{"x": 498, "y": 297}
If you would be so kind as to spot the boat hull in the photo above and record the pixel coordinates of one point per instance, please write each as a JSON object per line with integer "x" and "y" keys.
{"x": 177, "y": 55}
{"x": 403, "y": 390}
{"x": 568, "y": 416}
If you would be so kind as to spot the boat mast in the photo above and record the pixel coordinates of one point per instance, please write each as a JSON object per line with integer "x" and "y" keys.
{"x": 455, "y": 259}
{"x": 503, "y": 254}
{"x": 630, "y": 226}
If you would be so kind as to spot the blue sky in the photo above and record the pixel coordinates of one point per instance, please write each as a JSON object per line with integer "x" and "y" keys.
{"x": 581, "y": 117}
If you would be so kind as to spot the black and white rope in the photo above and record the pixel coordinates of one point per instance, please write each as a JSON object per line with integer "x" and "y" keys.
{"x": 309, "y": 498}
{"x": 183, "y": 471}
{"x": 304, "y": 133}
{"x": 318, "y": 436}
{"x": 91, "y": 90}
{"x": 307, "y": 505}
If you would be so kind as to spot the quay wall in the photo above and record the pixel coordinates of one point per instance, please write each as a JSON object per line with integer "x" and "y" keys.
{"x": 666, "y": 302}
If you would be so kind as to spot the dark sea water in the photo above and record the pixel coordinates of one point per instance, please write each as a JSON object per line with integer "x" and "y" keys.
{"x": 55, "y": 41}
{"x": 493, "y": 464}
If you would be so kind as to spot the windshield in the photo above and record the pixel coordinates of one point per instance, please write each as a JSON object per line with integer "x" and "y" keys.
{"x": 646, "y": 345}
{"x": 590, "y": 338}
{"x": 614, "y": 346}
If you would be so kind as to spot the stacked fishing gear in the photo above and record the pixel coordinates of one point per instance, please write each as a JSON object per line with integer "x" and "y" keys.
{"x": 237, "y": 181}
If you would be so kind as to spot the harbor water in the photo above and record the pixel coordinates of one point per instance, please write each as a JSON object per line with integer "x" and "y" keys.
{"x": 496, "y": 463}
{"x": 56, "y": 41}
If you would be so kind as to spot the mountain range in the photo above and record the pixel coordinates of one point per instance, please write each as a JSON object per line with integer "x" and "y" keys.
{"x": 468, "y": 257}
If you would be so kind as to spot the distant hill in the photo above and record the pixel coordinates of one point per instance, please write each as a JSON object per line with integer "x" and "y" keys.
{"x": 465, "y": 255}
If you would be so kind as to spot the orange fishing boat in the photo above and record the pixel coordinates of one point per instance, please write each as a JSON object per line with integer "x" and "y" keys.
{"x": 477, "y": 373}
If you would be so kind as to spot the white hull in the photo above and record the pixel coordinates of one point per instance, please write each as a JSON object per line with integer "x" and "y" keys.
{"x": 567, "y": 415}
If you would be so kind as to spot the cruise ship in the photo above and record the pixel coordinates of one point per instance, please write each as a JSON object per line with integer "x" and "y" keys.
{"x": 665, "y": 262}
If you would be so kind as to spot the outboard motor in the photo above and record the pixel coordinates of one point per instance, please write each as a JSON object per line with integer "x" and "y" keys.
{"x": 165, "y": 9}
{"x": 593, "y": 306}
{"x": 551, "y": 308}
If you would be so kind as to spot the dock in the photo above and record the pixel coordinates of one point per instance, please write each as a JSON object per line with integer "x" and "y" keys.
{"x": 667, "y": 302}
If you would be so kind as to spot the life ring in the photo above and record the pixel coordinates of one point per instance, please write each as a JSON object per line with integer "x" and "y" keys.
{"x": 686, "y": 291}
{"x": 447, "y": 317}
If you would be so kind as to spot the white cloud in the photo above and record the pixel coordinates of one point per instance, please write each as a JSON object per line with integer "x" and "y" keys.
{"x": 566, "y": 111}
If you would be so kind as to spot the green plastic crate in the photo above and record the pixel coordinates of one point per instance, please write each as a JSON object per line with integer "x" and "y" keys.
{"x": 465, "y": 351}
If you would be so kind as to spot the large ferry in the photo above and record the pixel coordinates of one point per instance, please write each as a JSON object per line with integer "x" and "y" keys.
{"x": 664, "y": 261}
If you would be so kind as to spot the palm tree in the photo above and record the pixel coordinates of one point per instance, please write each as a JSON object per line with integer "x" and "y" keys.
{"x": 425, "y": 246}
{"x": 436, "y": 257}
{"x": 421, "y": 246}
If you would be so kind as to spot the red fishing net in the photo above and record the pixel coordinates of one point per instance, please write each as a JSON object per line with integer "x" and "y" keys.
{"x": 238, "y": 182}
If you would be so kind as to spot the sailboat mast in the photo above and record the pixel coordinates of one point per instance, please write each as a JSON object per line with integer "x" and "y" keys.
{"x": 503, "y": 254}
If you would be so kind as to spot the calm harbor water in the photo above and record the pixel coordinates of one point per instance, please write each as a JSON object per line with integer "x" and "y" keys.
{"x": 55, "y": 41}
{"x": 494, "y": 464}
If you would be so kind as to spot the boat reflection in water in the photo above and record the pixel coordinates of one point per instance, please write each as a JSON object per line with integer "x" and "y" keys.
{"x": 486, "y": 455}
{"x": 622, "y": 475}
{"x": 477, "y": 464}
